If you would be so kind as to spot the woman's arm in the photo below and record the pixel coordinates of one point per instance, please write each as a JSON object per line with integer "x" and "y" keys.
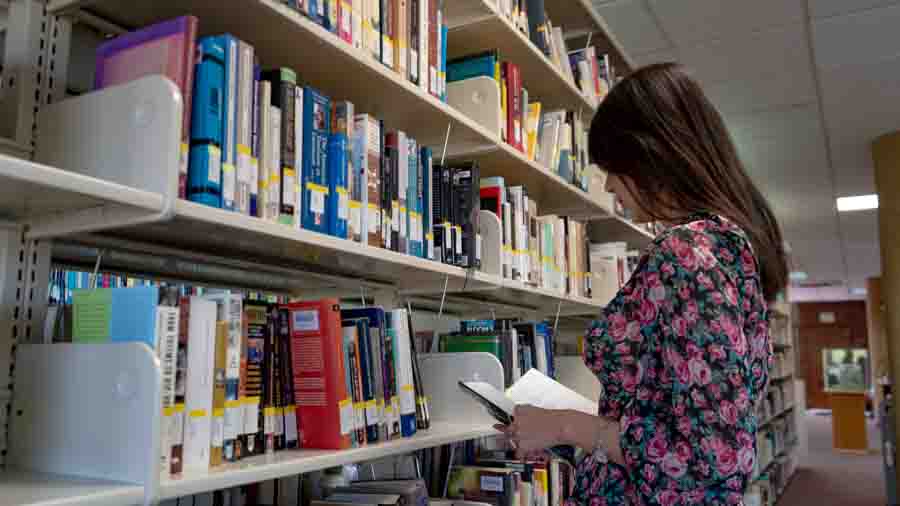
{"x": 536, "y": 429}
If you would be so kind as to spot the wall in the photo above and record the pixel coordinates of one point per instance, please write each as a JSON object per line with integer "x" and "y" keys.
{"x": 849, "y": 330}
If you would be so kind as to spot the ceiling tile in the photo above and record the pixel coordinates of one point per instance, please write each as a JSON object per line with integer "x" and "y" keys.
{"x": 859, "y": 106}
{"x": 864, "y": 37}
{"x": 688, "y": 21}
{"x": 782, "y": 50}
{"x": 662, "y": 56}
{"x": 830, "y": 8}
{"x": 762, "y": 93}
{"x": 633, "y": 25}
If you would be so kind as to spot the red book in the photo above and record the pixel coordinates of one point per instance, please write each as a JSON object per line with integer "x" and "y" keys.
{"x": 514, "y": 106}
{"x": 345, "y": 21}
{"x": 492, "y": 200}
{"x": 324, "y": 410}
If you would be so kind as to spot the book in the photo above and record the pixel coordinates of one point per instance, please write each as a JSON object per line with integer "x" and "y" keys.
{"x": 513, "y": 105}
{"x": 204, "y": 178}
{"x": 391, "y": 383}
{"x": 416, "y": 26}
{"x": 533, "y": 121}
{"x": 255, "y": 131}
{"x": 348, "y": 204}
{"x": 537, "y": 19}
{"x": 388, "y": 31}
{"x": 401, "y": 20}
{"x": 166, "y": 48}
{"x": 316, "y": 127}
{"x": 472, "y": 343}
{"x": 344, "y": 20}
{"x": 256, "y": 315}
{"x": 217, "y": 433}
{"x": 337, "y": 207}
{"x": 466, "y": 182}
{"x": 399, "y": 321}
{"x": 299, "y": 126}
{"x": 229, "y": 311}
{"x": 496, "y": 486}
{"x": 288, "y": 404}
{"x": 423, "y": 407}
{"x": 103, "y": 315}
{"x": 229, "y": 136}
{"x": 414, "y": 199}
{"x": 442, "y": 69}
{"x": 284, "y": 86}
{"x": 366, "y": 147}
{"x": 323, "y": 406}
{"x": 376, "y": 319}
{"x": 369, "y": 414}
{"x": 267, "y": 206}
{"x": 355, "y": 382}
{"x": 167, "y": 352}
{"x": 372, "y": 14}
{"x": 357, "y": 32}
{"x": 427, "y": 185}
{"x": 410, "y": 491}
{"x": 433, "y": 48}
{"x": 474, "y": 65}
{"x": 390, "y": 203}
{"x": 201, "y": 325}
{"x": 244, "y": 118}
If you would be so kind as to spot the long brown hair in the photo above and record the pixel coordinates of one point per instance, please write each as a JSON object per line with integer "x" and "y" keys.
{"x": 658, "y": 130}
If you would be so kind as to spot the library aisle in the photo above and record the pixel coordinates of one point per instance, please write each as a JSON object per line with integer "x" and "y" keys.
{"x": 829, "y": 478}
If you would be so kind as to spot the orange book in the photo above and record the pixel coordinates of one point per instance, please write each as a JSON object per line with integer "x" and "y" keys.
{"x": 324, "y": 408}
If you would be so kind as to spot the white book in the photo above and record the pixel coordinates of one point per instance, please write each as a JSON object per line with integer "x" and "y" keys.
{"x": 560, "y": 46}
{"x": 356, "y": 23}
{"x": 244, "y": 127}
{"x": 403, "y": 353}
{"x": 265, "y": 150}
{"x": 507, "y": 240}
{"x": 519, "y": 233}
{"x": 403, "y": 186}
{"x": 229, "y": 172}
{"x": 273, "y": 208}
{"x": 423, "y": 43}
{"x": 167, "y": 351}
{"x": 199, "y": 385}
{"x": 230, "y": 309}
{"x": 298, "y": 152}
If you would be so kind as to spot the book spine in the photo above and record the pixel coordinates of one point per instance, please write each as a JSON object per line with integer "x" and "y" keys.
{"x": 254, "y": 146}
{"x": 245, "y": 98}
{"x": 401, "y": 37}
{"x": 388, "y": 202}
{"x": 391, "y": 397}
{"x": 338, "y": 205}
{"x": 229, "y": 146}
{"x": 402, "y": 192}
{"x": 377, "y": 335}
{"x": 373, "y": 28}
{"x": 316, "y": 117}
{"x": 204, "y": 176}
{"x": 433, "y": 48}
{"x": 167, "y": 352}
{"x": 289, "y": 183}
{"x": 442, "y": 74}
{"x": 423, "y": 44}
{"x": 256, "y": 316}
{"x": 414, "y": 22}
{"x": 404, "y": 373}
{"x": 423, "y": 408}
{"x": 359, "y": 401}
{"x": 321, "y": 394}
{"x": 265, "y": 150}
{"x": 427, "y": 205}
{"x": 345, "y": 20}
{"x": 286, "y": 379}
{"x": 367, "y": 376}
{"x": 415, "y": 201}
{"x": 273, "y": 197}
{"x": 466, "y": 183}
{"x": 343, "y": 122}
{"x": 217, "y": 437}
{"x": 177, "y": 423}
{"x": 373, "y": 210}
{"x": 198, "y": 387}
{"x": 357, "y": 33}
{"x": 298, "y": 153}
{"x": 388, "y": 11}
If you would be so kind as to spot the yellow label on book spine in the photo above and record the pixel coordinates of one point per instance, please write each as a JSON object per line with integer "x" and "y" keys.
{"x": 197, "y": 413}
{"x": 244, "y": 150}
{"x": 219, "y": 412}
{"x": 270, "y": 411}
{"x": 169, "y": 411}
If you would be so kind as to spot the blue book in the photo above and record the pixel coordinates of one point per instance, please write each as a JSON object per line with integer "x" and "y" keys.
{"x": 337, "y": 204}
{"x": 103, "y": 315}
{"x": 349, "y": 350}
{"x": 414, "y": 201}
{"x": 204, "y": 159}
{"x": 229, "y": 133}
{"x": 443, "y": 58}
{"x": 380, "y": 361}
{"x": 316, "y": 127}
{"x": 368, "y": 378}
{"x": 467, "y": 67}
{"x": 254, "y": 144}
{"x": 317, "y": 10}
{"x": 426, "y": 161}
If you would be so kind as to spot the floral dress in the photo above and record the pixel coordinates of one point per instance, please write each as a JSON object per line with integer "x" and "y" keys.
{"x": 683, "y": 354}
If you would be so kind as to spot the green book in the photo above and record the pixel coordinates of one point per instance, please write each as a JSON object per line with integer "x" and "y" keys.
{"x": 464, "y": 344}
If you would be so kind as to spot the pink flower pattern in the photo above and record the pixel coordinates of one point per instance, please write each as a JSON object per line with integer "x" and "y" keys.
{"x": 682, "y": 353}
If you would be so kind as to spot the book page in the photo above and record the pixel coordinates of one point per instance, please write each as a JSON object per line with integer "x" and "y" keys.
{"x": 537, "y": 389}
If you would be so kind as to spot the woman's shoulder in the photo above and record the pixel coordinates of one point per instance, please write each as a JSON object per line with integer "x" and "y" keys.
{"x": 702, "y": 242}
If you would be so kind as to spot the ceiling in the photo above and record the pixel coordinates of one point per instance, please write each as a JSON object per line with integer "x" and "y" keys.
{"x": 805, "y": 86}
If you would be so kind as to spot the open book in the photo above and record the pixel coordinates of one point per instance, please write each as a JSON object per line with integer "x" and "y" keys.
{"x": 533, "y": 388}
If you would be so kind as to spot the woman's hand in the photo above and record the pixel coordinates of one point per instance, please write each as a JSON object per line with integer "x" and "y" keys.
{"x": 534, "y": 430}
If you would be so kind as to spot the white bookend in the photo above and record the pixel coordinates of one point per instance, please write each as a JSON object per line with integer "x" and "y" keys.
{"x": 199, "y": 387}
{"x": 491, "y": 243}
{"x": 479, "y": 99}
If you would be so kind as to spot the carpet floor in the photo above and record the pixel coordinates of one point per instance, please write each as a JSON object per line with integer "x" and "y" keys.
{"x": 829, "y": 478}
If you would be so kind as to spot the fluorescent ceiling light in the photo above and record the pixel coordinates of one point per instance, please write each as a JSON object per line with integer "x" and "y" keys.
{"x": 798, "y": 276}
{"x": 857, "y": 203}
{"x": 858, "y": 291}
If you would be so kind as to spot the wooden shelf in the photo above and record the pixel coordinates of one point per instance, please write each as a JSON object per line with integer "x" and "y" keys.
{"x": 617, "y": 229}
{"x": 283, "y": 37}
{"x": 291, "y": 462}
{"x": 22, "y": 488}
{"x": 491, "y": 30}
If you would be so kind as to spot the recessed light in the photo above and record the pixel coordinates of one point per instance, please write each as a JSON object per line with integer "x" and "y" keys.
{"x": 857, "y": 203}
{"x": 858, "y": 291}
{"x": 798, "y": 276}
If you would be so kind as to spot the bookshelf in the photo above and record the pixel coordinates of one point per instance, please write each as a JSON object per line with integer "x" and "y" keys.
{"x": 186, "y": 241}
{"x": 618, "y": 229}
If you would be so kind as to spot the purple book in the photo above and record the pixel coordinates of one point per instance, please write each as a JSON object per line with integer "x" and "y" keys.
{"x": 166, "y": 48}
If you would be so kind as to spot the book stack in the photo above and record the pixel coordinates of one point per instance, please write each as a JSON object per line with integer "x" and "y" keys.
{"x": 555, "y": 139}
{"x": 502, "y": 481}
{"x": 261, "y": 143}
{"x": 244, "y": 377}
{"x": 407, "y": 36}
{"x": 519, "y": 346}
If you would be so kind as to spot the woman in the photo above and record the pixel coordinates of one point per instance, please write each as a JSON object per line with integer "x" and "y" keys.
{"x": 683, "y": 350}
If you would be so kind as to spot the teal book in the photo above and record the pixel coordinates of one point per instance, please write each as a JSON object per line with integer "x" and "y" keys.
{"x": 466, "y": 67}
{"x": 103, "y": 315}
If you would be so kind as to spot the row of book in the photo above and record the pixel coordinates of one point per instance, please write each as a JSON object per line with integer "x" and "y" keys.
{"x": 592, "y": 73}
{"x": 408, "y": 36}
{"x": 507, "y": 482}
{"x": 556, "y": 139}
{"x": 246, "y": 377}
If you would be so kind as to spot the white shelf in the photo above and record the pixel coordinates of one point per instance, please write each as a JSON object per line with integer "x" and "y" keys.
{"x": 776, "y": 417}
{"x": 618, "y": 229}
{"x": 472, "y": 33}
{"x": 22, "y": 488}
{"x": 287, "y": 463}
{"x": 579, "y": 17}
{"x": 371, "y": 86}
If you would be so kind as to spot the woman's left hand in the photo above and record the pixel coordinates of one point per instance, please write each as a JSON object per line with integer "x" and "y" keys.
{"x": 533, "y": 430}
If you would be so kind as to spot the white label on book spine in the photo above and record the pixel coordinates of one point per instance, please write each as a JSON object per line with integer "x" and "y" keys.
{"x": 183, "y": 155}
{"x": 234, "y": 419}
{"x": 458, "y": 240}
{"x": 433, "y": 80}
{"x": 407, "y": 399}
{"x": 215, "y": 165}
{"x": 316, "y": 198}
{"x": 251, "y": 416}
{"x": 279, "y": 422}
{"x": 269, "y": 420}
{"x": 492, "y": 484}
{"x": 414, "y": 64}
{"x": 395, "y": 216}
{"x": 290, "y": 424}
{"x": 346, "y": 410}
{"x": 359, "y": 415}
{"x": 372, "y": 414}
{"x": 229, "y": 177}
{"x": 218, "y": 431}
{"x": 343, "y": 204}
{"x": 387, "y": 51}
{"x": 373, "y": 219}
{"x": 429, "y": 239}
{"x": 447, "y": 243}
{"x": 356, "y": 217}
{"x": 402, "y": 220}
{"x": 289, "y": 186}
{"x": 478, "y": 247}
